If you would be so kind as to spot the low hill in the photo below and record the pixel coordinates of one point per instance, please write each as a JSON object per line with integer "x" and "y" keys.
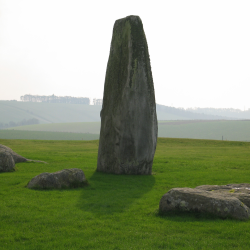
{"x": 226, "y": 112}
{"x": 72, "y": 127}
{"x": 48, "y": 112}
{"x": 201, "y": 129}
{"x": 13, "y": 111}
{"x": 195, "y": 129}
{"x": 171, "y": 113}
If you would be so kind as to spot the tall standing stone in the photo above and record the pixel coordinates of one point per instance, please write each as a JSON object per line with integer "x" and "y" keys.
{"x": 129, "y": 127}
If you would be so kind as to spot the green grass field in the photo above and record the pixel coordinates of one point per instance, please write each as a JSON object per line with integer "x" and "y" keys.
{"x": 195, "y": 129}
{"x": 213, "y": 130}
{"x": 118, "y": 211}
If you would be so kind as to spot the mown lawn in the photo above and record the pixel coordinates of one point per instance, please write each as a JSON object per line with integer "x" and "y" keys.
{"x": 119, "y": 212}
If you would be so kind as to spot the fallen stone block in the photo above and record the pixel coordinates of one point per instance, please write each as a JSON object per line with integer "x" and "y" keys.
{"x": 67, "y": 178}
{"x": 198, "y": 200}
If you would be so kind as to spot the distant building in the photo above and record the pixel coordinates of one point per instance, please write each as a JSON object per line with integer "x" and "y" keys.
{"x": 97, "y": 101}
{"x": 55, "y": 99}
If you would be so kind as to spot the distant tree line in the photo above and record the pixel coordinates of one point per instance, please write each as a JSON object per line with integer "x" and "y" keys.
{"x": 97, "y": 101}
{"x": 55, "y": 99}
{"x": 21, "y": 123}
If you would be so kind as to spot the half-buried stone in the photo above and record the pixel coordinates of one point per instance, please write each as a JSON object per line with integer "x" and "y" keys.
{"x": 7, "y": 163}
{"x": 67, "y": 178}
{"x": 8, "y": 159}
{"x": 222, "y": 204}
{"x": 16, "y": 157}
{"x": 129, "y": 127}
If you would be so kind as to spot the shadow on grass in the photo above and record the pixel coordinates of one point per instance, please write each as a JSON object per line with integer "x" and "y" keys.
{"x": 181, "y": 216}
{"x": 109, "y": 193}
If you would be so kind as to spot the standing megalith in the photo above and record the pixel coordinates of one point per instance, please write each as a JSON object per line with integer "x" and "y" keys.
{"x": 129, "y": 127}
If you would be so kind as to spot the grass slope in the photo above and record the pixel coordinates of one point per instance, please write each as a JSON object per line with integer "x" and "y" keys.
{"x": 64, "y": 113}
{"x": 73, "y": 127}
{"x": 45, "y": 135}
{"x": 214, "y": 130}
{"x": 48, "y": 112}
{"x": 117, "y": 211}
{"x": 230, "y": 130}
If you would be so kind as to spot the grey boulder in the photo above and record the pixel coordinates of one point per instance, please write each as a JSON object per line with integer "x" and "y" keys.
{"x": 67, "y": 178}
{"x": 8, "y": 158}
{"x": 7, "y": 162}
{"x": 198, "y": 200}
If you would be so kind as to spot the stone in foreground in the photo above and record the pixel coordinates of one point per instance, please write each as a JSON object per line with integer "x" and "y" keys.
{"x": 67, "y": 178}
{"x": 198, "y": 200}
{"x": 129, "y": 127}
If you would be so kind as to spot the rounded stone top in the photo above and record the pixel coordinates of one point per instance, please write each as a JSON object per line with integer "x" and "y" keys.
{"x": 131, "y": 17}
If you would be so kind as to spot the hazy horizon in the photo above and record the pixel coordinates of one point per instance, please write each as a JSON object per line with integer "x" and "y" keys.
{"x": 199, "y": 50}
{"x": 187, "y": 108}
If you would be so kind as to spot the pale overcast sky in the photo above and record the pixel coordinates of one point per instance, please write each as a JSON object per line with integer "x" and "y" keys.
{"x": 199, "y": 50}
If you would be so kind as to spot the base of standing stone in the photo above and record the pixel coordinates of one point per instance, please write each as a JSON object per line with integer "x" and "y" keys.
{"x": 143, "y": 168}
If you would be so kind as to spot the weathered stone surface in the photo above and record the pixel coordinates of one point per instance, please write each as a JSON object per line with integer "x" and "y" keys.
{"x": 240, "y": 191}
{"x": 129, "y": 127}
{"x": 66, "y": 178}
{"x": 7, "y": 162}
{"x": 198, "y": 200}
